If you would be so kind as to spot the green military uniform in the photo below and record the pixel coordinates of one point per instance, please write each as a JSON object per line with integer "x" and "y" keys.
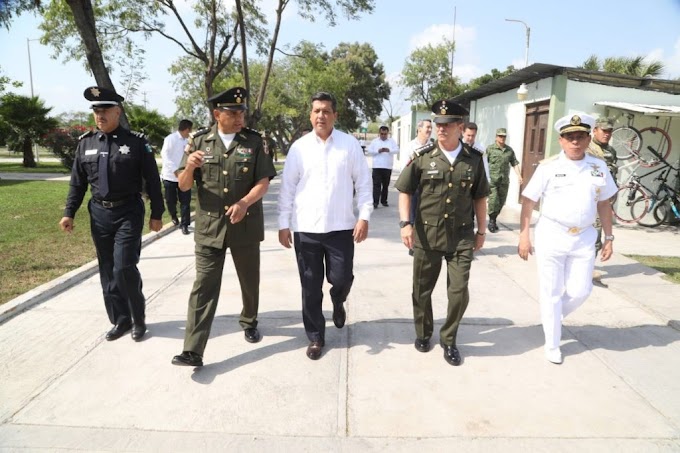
{"x": 608, "y": 154}
{"x": 500, "y": 161}
{"x": 444, "y": 227}
{"x": 227, "y": 175}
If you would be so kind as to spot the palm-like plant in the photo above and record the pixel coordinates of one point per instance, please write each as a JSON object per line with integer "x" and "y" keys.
{"x": 634, "y": 66}
{"x": 25, "y": 121}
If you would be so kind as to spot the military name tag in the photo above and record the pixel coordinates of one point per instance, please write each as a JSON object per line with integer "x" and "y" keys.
{"x": 89, "y": 152}
{"x": 560, "y": 175}
{"x": 432, "y": 172}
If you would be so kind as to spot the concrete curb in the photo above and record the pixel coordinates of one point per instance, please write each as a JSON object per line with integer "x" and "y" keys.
{"x": 50, "y": 289}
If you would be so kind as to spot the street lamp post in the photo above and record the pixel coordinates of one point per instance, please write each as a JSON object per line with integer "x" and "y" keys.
{"x": 30, "y": 74}
{"x": 523, "y": 91}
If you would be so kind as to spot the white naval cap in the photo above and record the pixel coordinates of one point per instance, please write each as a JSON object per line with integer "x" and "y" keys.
{"x": 576, "y": 122}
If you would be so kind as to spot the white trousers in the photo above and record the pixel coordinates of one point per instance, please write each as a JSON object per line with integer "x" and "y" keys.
{"x": 565, "y": 270}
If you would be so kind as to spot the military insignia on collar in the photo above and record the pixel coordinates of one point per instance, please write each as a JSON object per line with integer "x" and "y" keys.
{"x": 596, "y": 170}
{"x": 432, "y": 165}
{"x": 575, "y": 120}
{"x": 125, "y": 149}
{"x": 95, "y": 92}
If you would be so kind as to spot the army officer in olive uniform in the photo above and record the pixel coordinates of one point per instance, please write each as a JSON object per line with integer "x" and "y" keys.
{"x": 115, "y": 163}
{"x": 452, "y": 182}
{"x": 232, "y": 171}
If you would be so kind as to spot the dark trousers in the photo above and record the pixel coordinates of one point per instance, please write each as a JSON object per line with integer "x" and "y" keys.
{"x": 172, "y": 194}
{"x": 117, "y": 236}
{"x": 426, "y": 267}
{"x": 381, "y": 182}
{"x": 313, "y": 250}
{"x": 206, "y": 291}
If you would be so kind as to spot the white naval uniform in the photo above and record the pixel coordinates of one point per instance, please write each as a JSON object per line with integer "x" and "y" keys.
{"x": 564, "y": 235}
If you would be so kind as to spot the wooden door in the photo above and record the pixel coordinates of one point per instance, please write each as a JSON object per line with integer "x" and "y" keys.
{"x": 535, "y": 130}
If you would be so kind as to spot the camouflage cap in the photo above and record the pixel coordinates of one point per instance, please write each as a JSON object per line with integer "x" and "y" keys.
{"x": 604, "y": 123}
{"x": 501, "y": 131}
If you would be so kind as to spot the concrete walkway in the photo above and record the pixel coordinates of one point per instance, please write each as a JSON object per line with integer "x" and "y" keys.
{"x": 63, "y": 387}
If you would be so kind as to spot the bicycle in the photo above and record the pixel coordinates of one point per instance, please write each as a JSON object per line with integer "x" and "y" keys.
{"x": 636, "y": 197}
{"x": 631, "y": 142}
{"x": 661, "y": 206}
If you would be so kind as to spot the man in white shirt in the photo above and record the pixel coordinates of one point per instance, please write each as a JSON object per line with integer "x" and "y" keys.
{"x": 573, "y": 188}
{"x": 322, "y": 170}
{"x": 171, "y": 154}
{"x": 382, "y": 149}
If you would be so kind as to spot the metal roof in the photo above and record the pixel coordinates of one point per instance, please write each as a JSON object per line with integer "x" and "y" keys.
{"x": 644, "y": 109}
{"x": 538, "y": 71}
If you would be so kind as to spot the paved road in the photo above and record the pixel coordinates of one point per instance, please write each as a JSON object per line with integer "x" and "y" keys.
{"x": 62, "y": 387}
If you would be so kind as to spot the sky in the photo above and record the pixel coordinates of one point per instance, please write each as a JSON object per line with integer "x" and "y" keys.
{"x": 561, "y": 33}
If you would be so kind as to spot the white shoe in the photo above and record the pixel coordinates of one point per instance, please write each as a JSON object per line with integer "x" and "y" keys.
{"x": 554, "y": 355}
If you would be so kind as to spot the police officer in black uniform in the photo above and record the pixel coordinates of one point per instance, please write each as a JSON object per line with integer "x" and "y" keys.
{"x": 115, "y": 162}
{"x": 232, "y": 169}
{"x": 452, "y": 183}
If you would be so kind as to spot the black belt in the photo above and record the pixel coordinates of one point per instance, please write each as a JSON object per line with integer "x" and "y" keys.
{"x": 113, "y": 204}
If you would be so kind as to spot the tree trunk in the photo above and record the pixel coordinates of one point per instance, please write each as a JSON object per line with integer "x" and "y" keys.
{"x": 83, "y": 16}
{"x": 27, "y": 149}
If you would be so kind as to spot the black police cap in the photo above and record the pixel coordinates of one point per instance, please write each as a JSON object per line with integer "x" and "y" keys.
{"x": 447, "y": 111}
{"x": 102, "y": 97}
{"x": 232, "y": 99}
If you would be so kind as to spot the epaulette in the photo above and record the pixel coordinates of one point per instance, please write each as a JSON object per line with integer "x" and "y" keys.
{"x": 199, "y": 132}
{"x": 421, "y": 151}
{"x": 248, "y": 130}
{"x": 548, "y": 159}
{"x": 472, "y": 149}
{"x": 86, "y": 134}
{"x": 138, "y": 134}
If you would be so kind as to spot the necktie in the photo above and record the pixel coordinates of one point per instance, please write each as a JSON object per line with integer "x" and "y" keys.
{"x": 104, "y": 148}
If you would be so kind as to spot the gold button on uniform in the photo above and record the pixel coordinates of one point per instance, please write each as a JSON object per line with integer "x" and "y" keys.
{"x": 245, "y": 169}
{"x": 226, "y": 208}
{"x": 448, "y": 200}
{"x": 226, "y": 190}
{"x": 446, "y": 216}
{"x": 225, "y": 172}
{"x": 450, "y": 184}
{"x": 450, "y": 168}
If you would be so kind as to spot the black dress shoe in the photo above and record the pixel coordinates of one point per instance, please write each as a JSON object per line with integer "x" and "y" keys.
{"x": 118, "y": 331}
{"x": 188, "y": 358}
{"x": 386, "y": 205}
{"x": 185, "y": 229}
{"x": 375, "y": 205}
{"x": 339, "y": 315}
{"x": 422, "y": 345}
{"x": 138, "y": 331}
{"x": 252, "y": 335}
{"x": 175, "y": 220}
{"x": 314, "y": 350}
{"x": 452, "y": 355}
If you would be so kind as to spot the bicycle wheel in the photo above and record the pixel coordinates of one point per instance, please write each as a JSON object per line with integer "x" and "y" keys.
{"x": 659, "y": 140}
{"x": 626, "y": 140}
{"x": 623, "y": 200}
{"x": 641, "y": 209}
{"x": 662, "y": 211}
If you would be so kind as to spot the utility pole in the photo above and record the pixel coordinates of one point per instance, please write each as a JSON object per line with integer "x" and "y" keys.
{"x": 30, "y": 74}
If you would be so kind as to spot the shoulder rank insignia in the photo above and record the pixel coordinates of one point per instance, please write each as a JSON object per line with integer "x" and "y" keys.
{"x": 199, "y": 132}
{"x": 86, "y": 134}
{"x": 138, "y": 134}
{"x": 472, "y": 149}
{"x": 426, "y": 148}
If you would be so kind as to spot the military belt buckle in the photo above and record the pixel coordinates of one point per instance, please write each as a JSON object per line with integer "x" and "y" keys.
{"x": 574, "y": 230}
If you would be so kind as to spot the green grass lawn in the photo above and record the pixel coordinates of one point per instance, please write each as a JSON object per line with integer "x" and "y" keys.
{"x": 42, "y": 167}
{"x": 33, "y": 248}
{"x": 669, "y": 265}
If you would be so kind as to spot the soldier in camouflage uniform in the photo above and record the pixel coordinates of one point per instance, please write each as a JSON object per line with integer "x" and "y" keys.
{"x": 451, "y": 180}
{"x": 600, "y": 148}
{"x": 501, "y": 157}
{"x": 232, "y": 171}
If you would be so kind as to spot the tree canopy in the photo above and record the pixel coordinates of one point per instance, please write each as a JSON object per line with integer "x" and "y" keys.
{"x": 427, "y": 73}
{"x": 634, "y": 66}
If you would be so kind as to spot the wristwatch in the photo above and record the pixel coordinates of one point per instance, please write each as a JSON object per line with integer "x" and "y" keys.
{"x": 403, "y": 223}
{"x": 609, "y": 238}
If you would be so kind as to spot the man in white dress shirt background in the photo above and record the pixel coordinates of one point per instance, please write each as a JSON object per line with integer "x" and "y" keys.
{"x": 470, "y": 137}
{"x": 322, "y": 170}
{"x": 382, "y": 149}
{"x": 171, "y": 155}
{"x": 573, "y": 188}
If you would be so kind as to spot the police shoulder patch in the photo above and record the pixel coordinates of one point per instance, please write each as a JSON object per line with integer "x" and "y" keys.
{"x": 86, "y": 134}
